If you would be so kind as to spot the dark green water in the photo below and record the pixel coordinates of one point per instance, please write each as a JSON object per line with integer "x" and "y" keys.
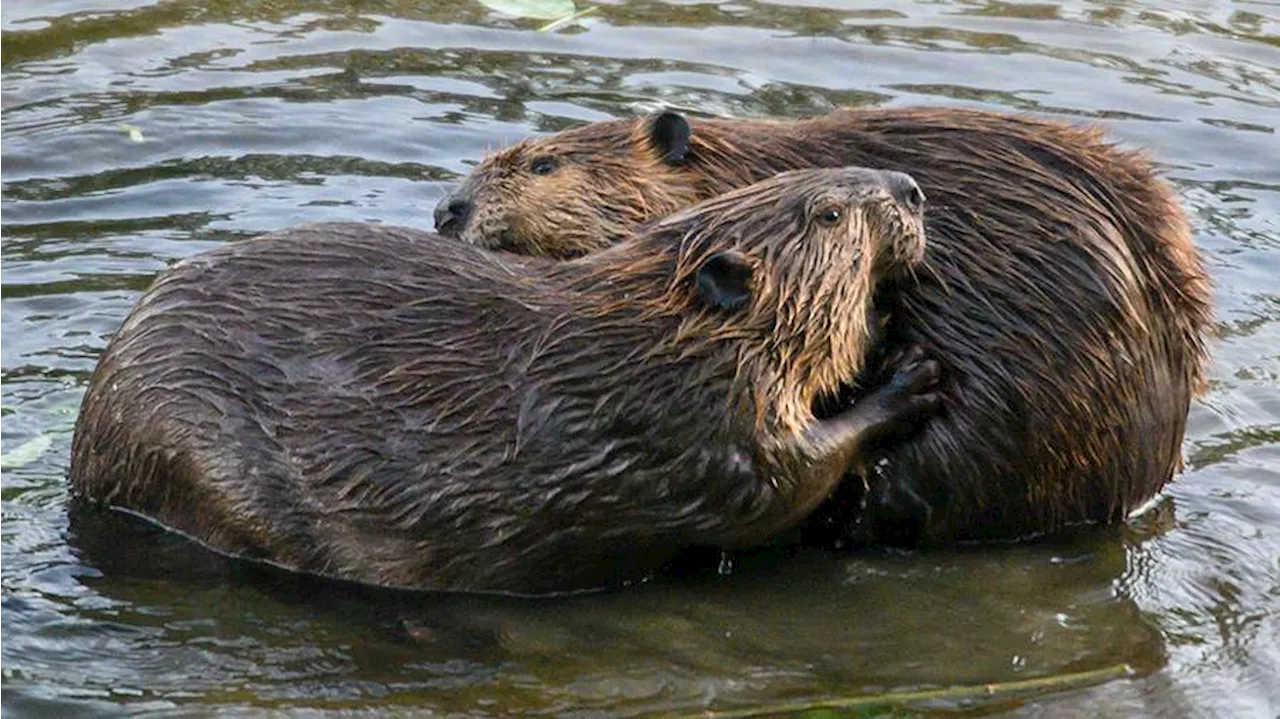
{"x": 258, "y": 115}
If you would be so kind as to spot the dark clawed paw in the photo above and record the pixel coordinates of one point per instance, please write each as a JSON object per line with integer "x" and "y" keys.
{"x": 911, "y": 398}
{"x": 915, "y": 372}
{"x": 913, "y": 394}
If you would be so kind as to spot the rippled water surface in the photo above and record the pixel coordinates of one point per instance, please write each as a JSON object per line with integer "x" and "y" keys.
{"x": 258, "y": 115}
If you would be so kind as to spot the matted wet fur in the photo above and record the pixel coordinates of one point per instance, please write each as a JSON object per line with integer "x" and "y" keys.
{"x": 386, "y": 406}
{"x": 1061, "y": 291}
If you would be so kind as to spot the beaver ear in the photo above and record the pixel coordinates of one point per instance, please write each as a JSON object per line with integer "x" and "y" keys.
{"x": 669, "y": 133}
{"x": 724, "y": 280}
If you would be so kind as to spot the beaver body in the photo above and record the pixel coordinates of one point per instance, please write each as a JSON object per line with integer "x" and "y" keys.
{"x": 1061, "y": 292}
{"x": 382, "y": 405}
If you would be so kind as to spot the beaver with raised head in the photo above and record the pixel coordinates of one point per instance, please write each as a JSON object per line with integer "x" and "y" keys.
{"x": 1061, "y": 292}
{"x": 386, "y": 406}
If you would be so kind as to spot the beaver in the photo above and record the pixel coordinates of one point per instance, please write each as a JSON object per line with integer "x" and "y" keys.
{"x": 1061, "y": 292}
{"x": 386, "y": 406}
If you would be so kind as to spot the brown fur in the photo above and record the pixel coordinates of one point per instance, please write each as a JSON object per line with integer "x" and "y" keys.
{"x": 1061, "y": 290}
{"x": 383, "y": 405}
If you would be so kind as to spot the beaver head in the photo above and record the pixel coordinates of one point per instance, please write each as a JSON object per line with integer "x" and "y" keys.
{"x": 786, "y": 268}
{"x": 574, "y": 192}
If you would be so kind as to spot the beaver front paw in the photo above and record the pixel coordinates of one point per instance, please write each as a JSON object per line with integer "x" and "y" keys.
{"x": 913, "y": 394}
{"x": 890, "y": 412}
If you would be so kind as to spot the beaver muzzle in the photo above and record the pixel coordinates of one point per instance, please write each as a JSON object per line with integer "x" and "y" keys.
{"x": 452, "y": 213}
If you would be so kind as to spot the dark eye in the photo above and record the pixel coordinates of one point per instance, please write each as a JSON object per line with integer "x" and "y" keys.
{"x": 830, "y": 216}
{"x": 542, "y": 166}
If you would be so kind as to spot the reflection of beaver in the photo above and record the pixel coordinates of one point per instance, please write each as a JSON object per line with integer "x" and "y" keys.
{"x": 1061, "y": 288}
{"x": 387, "y": 406}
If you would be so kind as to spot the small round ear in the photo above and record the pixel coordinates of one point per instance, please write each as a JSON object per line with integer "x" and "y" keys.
{"x": 669, "y": 133}
{"x": 724, "y": 280}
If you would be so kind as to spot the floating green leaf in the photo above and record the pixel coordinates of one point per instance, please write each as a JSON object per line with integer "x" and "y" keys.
{"x": 27, "y": 452}
{"x": 133, "y": 132}
{"x": 557, "y": 24}
{"x": 539, "y": 9}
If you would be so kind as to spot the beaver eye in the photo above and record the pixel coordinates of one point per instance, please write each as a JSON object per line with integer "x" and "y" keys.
{"x": 542, "y": 166}
{"x": 830, "y": 216}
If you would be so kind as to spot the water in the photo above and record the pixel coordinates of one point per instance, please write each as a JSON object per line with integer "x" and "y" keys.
{"x": 258, "y": 115}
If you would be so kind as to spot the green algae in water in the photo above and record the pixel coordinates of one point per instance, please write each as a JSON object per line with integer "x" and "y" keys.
{"x": 27, "y": 452}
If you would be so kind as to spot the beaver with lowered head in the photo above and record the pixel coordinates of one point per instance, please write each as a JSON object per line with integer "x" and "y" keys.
{"x": 1061, "y": 292}
{"x": 386, "y": 406}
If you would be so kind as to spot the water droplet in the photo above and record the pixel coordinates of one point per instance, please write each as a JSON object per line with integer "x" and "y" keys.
{"x": 726, "y": 564}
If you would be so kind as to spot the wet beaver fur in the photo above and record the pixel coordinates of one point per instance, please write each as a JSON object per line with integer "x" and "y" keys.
{"x": 1061, "y": 292}
{"x": 387, "y": 406}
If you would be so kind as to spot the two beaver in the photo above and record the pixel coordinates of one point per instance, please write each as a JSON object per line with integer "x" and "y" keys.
{"x": 386, "y": 406}
{"x": 1061, "y": 293}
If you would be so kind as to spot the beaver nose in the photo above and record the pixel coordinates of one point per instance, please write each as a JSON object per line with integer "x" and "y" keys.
{"x": 903, "y": 188}
{"x": 452, "y": 214}
{"x": 910, "y": 244}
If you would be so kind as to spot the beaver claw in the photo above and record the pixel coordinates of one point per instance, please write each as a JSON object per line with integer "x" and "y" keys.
{"x": 892, "y": 411}
{"x": 912, "y": 394}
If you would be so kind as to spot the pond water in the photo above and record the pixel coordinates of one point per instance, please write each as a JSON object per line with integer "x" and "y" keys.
{"x": 258, "y": 115}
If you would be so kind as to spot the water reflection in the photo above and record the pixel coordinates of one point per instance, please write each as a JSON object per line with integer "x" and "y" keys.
{"x": 784, "y": 623}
